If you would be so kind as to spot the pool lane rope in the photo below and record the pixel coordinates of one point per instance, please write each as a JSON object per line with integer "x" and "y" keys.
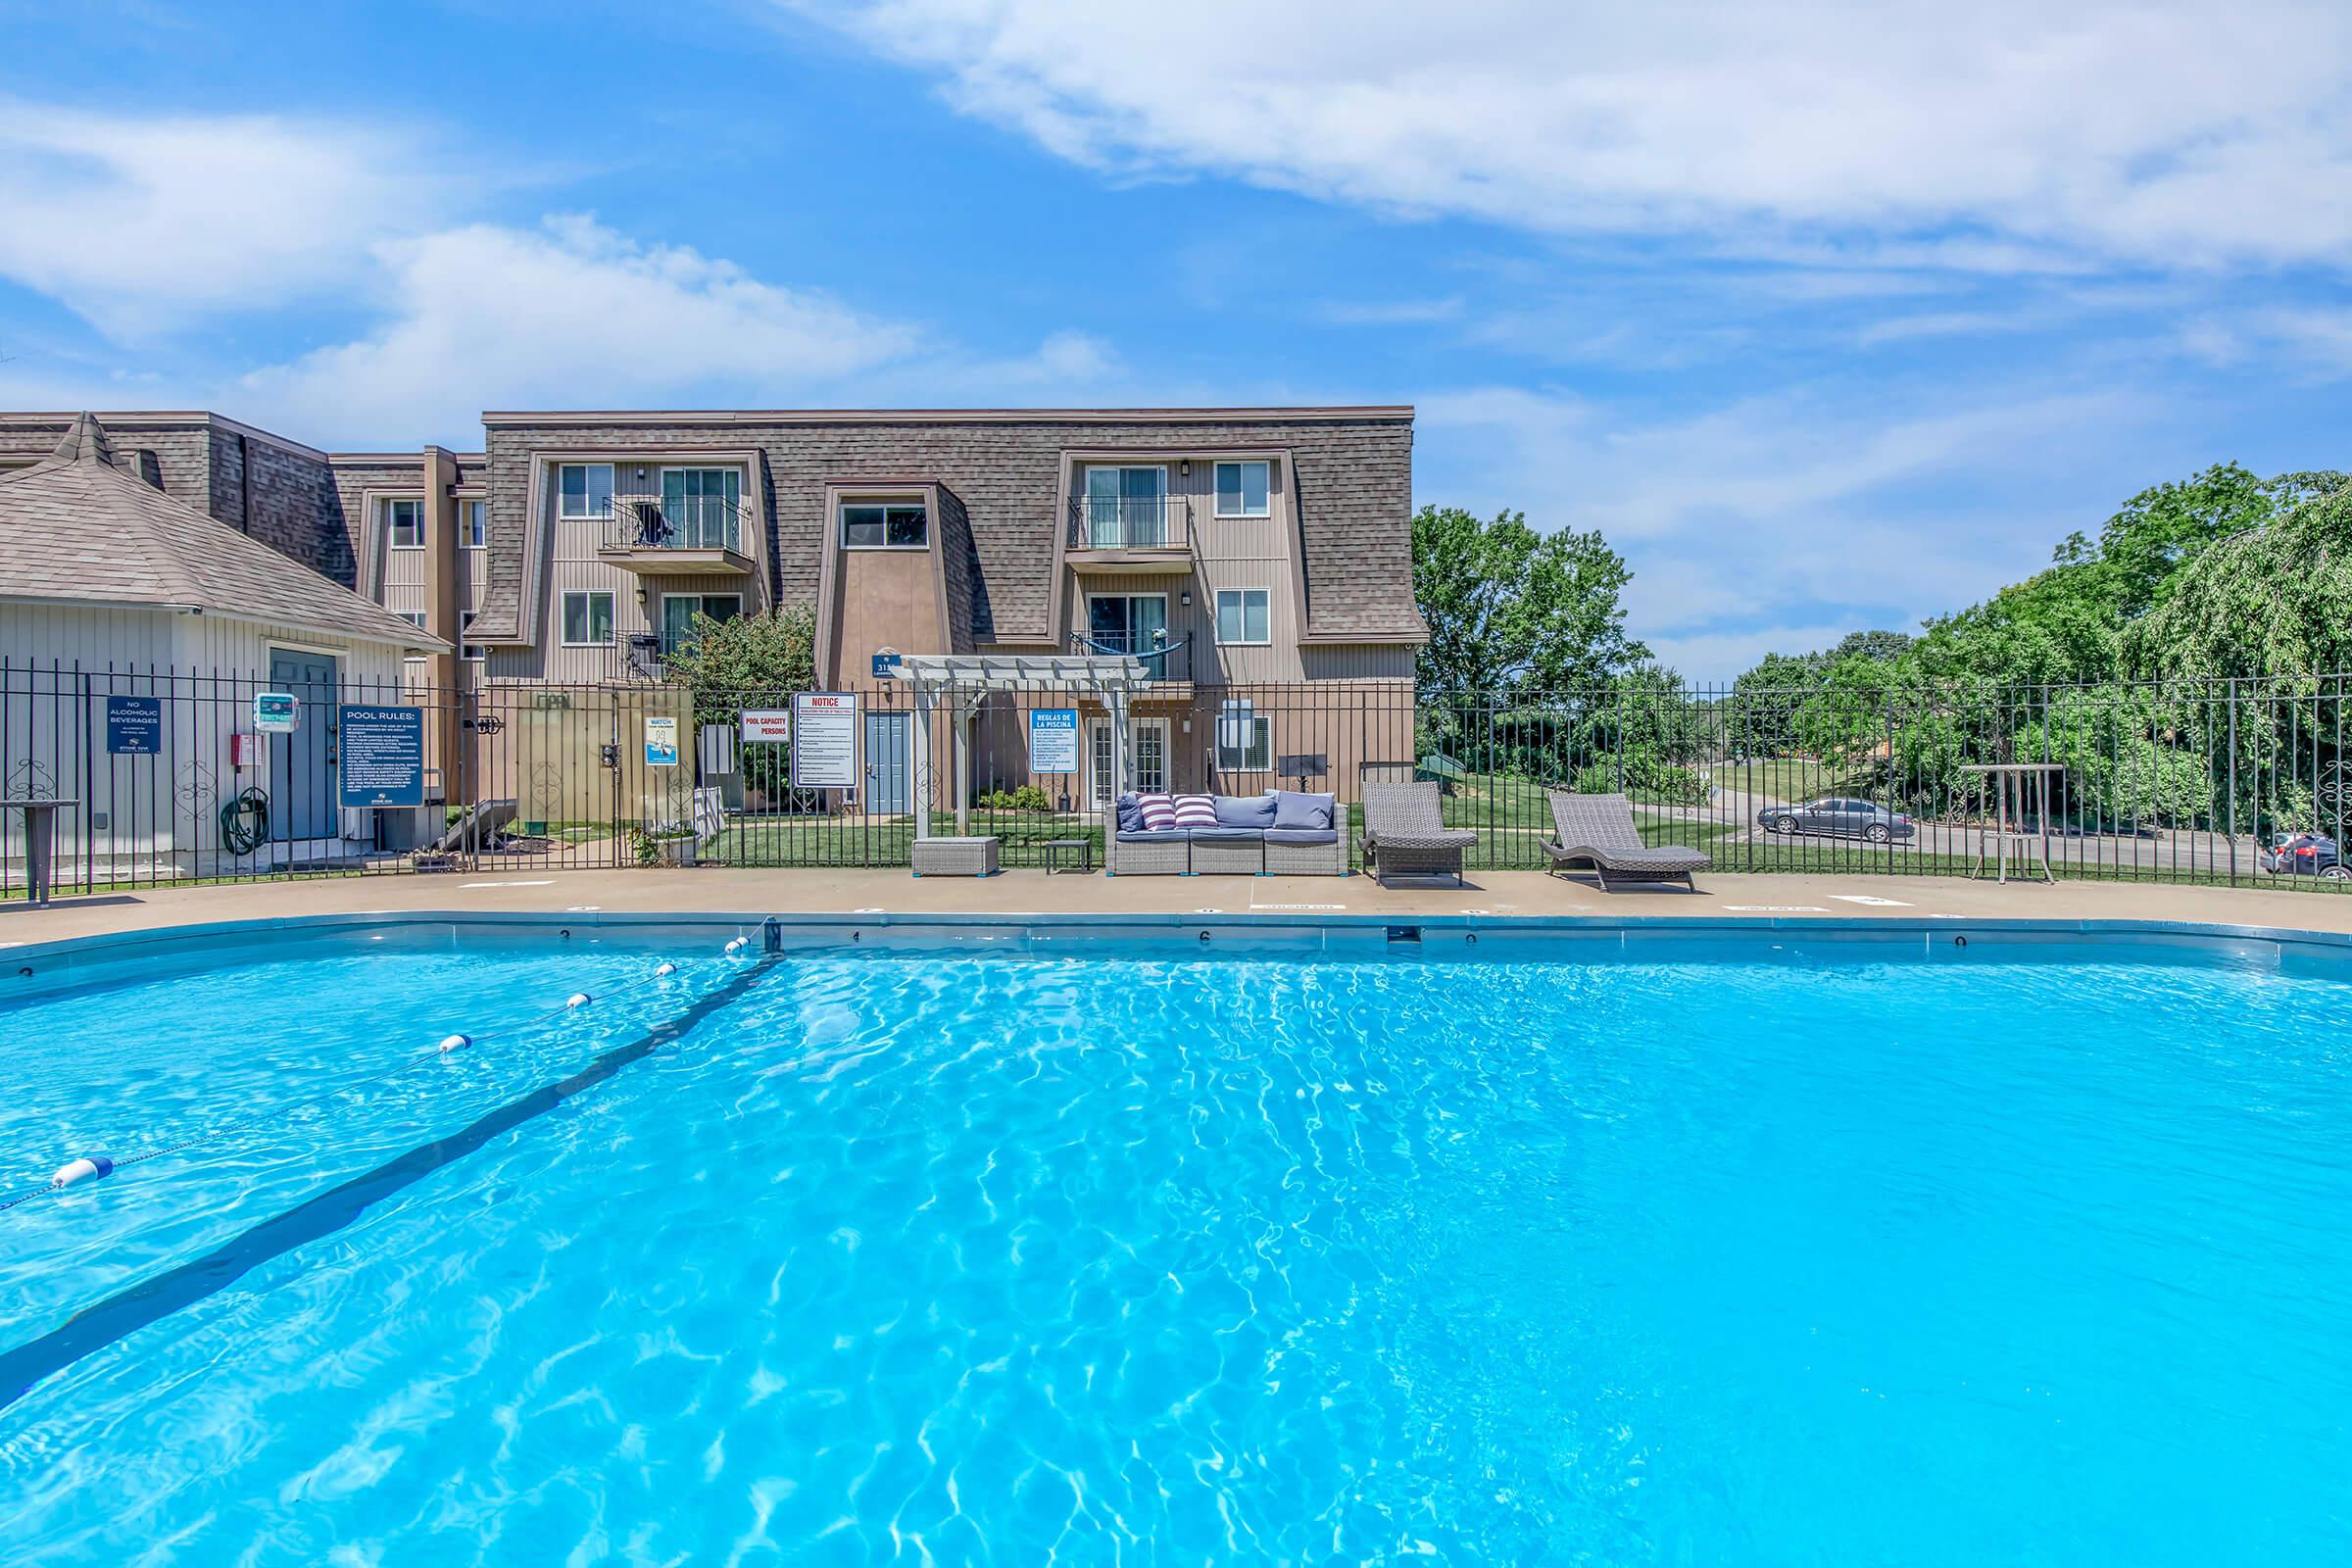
{"x": 97, "y": 1167}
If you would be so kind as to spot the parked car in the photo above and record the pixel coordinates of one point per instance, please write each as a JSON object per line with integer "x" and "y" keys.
{"x": 2304, "y": 855}
{"x": 1838, "y": 816}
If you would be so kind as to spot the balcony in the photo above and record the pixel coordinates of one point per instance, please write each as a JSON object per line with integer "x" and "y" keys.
{"x": 1164, "y": 663}
{"x": 701, "y": 536}
{"x": 1130, "y": 533}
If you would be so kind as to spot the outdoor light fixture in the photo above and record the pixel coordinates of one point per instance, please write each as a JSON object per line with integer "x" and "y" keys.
{"x": 1185, "y": 466}
{"x": 1185, "y": 599}
{"x": 641, "y": 596}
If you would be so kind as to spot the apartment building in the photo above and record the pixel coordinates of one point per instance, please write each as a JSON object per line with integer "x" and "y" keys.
{"x": 1256, "y": 561}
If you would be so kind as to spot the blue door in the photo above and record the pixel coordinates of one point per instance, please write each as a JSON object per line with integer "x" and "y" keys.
{"x": 887, "y": 740}
{"x": 302, "y": 766}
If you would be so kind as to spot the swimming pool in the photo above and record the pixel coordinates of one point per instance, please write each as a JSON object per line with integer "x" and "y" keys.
{"x": 1182, "y": 1246}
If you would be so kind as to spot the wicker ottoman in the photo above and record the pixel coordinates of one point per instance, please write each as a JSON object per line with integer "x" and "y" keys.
{"x": 975, "y": 856}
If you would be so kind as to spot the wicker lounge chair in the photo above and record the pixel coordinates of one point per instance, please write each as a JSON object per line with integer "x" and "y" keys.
{"x": 1404, "y": 836}
{"x": 482, "y": 826}
{"x": 1600, "y": 828}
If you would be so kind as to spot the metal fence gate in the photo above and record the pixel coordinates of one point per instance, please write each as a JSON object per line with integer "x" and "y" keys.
{"x": 172, "y": 781}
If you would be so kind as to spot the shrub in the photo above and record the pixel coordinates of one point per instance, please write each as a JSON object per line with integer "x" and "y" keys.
{"x": 1025, "y": 798}
{"x": 1648, "y": 778}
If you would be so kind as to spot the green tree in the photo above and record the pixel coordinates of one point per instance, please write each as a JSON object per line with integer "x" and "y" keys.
{"x": 1510, "y": 609}
{"x": 1870, "y": 645}
{"x": 1765, "y": 700}
{"x": 2276, "y": 601}
{"x": 752, "y": 659}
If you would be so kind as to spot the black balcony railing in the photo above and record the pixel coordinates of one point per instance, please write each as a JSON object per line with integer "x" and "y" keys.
{"x": 642, "y": 659}
{"x": 1130, "y": 523}
{"x": 651, "y": 522}
{"x": 1163, "y": 660}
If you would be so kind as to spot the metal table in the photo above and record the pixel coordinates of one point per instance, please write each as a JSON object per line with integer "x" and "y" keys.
{"x": 2013, "y": 783}
{"x": 1085, "y": 848}
{"x": 40, "y": 841}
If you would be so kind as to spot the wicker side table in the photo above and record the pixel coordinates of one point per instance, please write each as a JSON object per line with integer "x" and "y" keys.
{"x": 974, "y": 857}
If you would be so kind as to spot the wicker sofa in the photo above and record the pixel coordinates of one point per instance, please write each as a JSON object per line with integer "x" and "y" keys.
{"x": 1275, "y": 834}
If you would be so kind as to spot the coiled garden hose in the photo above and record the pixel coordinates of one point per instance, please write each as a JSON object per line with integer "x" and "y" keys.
{"x": 245, "y": 822}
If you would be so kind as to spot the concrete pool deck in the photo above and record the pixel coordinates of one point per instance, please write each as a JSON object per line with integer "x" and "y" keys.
{"x": 1498, "y": 893}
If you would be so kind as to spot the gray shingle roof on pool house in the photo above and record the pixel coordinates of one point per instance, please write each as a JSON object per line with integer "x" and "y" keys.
{"x": 83, "y": 526}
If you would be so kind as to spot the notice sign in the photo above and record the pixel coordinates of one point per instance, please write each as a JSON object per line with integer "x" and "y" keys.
{"x": 384, "y": 757}
{"x": 767, "y": 724}
{"x": 662, "y": 742}
{"x": 1054, "y": 740}
{"x": 275, "y": 712}
{"x": 134, "y": 727}
{"x": 825, "y": 741}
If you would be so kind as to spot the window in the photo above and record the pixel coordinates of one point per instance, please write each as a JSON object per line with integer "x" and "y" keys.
{"x": 406, "y": 518}
{"x": 1241, "y": 489}
{"x": 1126, "y": 507}
{"x": 415, "y": 617}
{"x": 475, "y": 654}
{"x": 1244, "y": 740}
{"x": 588, "y": 619}
{"x": 679, "y": 610}
{"x": 885, "y": 525}
{"x": 1241, "y": 616}
{"x": 699, "y": 508}
{"x": 472, "y": 525}
{"x": 585, "y": 489}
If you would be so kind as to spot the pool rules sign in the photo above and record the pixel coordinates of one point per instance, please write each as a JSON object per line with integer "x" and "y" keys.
{"x": 382, "y": 757}
{"x": 825, "y": 741}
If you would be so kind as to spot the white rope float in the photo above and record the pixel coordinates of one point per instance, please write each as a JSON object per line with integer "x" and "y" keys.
{"x": 97, "y": 1167}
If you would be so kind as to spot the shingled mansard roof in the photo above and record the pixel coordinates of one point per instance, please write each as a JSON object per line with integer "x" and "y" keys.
{"x": 75, "y": 526}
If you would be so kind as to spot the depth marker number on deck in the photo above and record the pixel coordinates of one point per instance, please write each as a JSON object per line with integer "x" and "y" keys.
{"x": 1865, "y": 898}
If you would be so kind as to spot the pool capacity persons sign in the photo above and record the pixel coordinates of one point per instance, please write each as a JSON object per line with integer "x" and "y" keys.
{"x": 825, "y": 741}
{"x": 1054, "y": 740}
{"x": 382, "y": 751}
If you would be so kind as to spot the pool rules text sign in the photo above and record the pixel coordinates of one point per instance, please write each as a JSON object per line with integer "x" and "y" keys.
{"x": 382, "y": 757}
{"x": 825, "y": 741}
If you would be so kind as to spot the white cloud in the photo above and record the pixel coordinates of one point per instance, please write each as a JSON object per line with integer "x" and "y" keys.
{"x": 1764, "y": 523}
{"x": 569, "y": 314}
{"x": 1992, "y": 136}
{"x": 139, "y": 221}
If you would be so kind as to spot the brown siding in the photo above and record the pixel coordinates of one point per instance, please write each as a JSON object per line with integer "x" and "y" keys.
{"x": 1354, "y": 479}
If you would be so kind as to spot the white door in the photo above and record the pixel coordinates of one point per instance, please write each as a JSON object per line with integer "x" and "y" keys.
{"x": 1147, "y": 751}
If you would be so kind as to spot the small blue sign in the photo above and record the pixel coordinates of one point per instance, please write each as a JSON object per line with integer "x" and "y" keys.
{"x": 134, "y": 725}
{"x": 1054, "y": 740}
{"x": 885, "y": 664}
{"x": 382, "y": 757}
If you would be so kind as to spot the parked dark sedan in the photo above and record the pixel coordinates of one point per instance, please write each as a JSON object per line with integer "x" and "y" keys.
{"x": 2304, "y": 855}
{"x": 1839, "y": 816}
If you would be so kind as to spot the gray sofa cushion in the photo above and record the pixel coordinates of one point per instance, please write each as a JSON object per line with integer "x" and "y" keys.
{"x": 1165, "y": 835}
{"x": 1313, "y": 812}
{"x": 1301, "y": 835}
{"x": 1245, "y": 811}
{"x": 1131, "y": 813}
{"x": 1228, "y": 835}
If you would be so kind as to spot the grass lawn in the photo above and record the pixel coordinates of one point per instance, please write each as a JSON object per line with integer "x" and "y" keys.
{"x": 1790, "y": 779}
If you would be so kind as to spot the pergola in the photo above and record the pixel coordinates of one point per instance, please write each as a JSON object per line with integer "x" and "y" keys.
{"x": 964, "y": 682}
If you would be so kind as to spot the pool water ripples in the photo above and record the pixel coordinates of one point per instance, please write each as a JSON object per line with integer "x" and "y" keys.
{"x": 1706, "y": 1256}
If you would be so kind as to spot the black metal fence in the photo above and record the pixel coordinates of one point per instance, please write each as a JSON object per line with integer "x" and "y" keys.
{"x": 175, "y": 777}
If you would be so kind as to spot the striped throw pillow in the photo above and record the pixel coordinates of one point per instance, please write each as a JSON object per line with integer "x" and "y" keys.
{"x": 1160, "y": 812}
{"x": 1195, "y": 811}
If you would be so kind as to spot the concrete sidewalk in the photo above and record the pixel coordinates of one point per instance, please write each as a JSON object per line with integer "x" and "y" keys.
{"x": 1499, "y": 894}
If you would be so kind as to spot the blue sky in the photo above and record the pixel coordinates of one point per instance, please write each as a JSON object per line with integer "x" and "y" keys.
{"x": 1826, "y": 317}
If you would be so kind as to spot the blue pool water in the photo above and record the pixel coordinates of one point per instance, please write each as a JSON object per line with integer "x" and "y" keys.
{"x": 1703, "y": 1254}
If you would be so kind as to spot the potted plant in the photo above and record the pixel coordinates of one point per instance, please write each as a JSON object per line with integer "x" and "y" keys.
{"x": 662, "y": 844}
